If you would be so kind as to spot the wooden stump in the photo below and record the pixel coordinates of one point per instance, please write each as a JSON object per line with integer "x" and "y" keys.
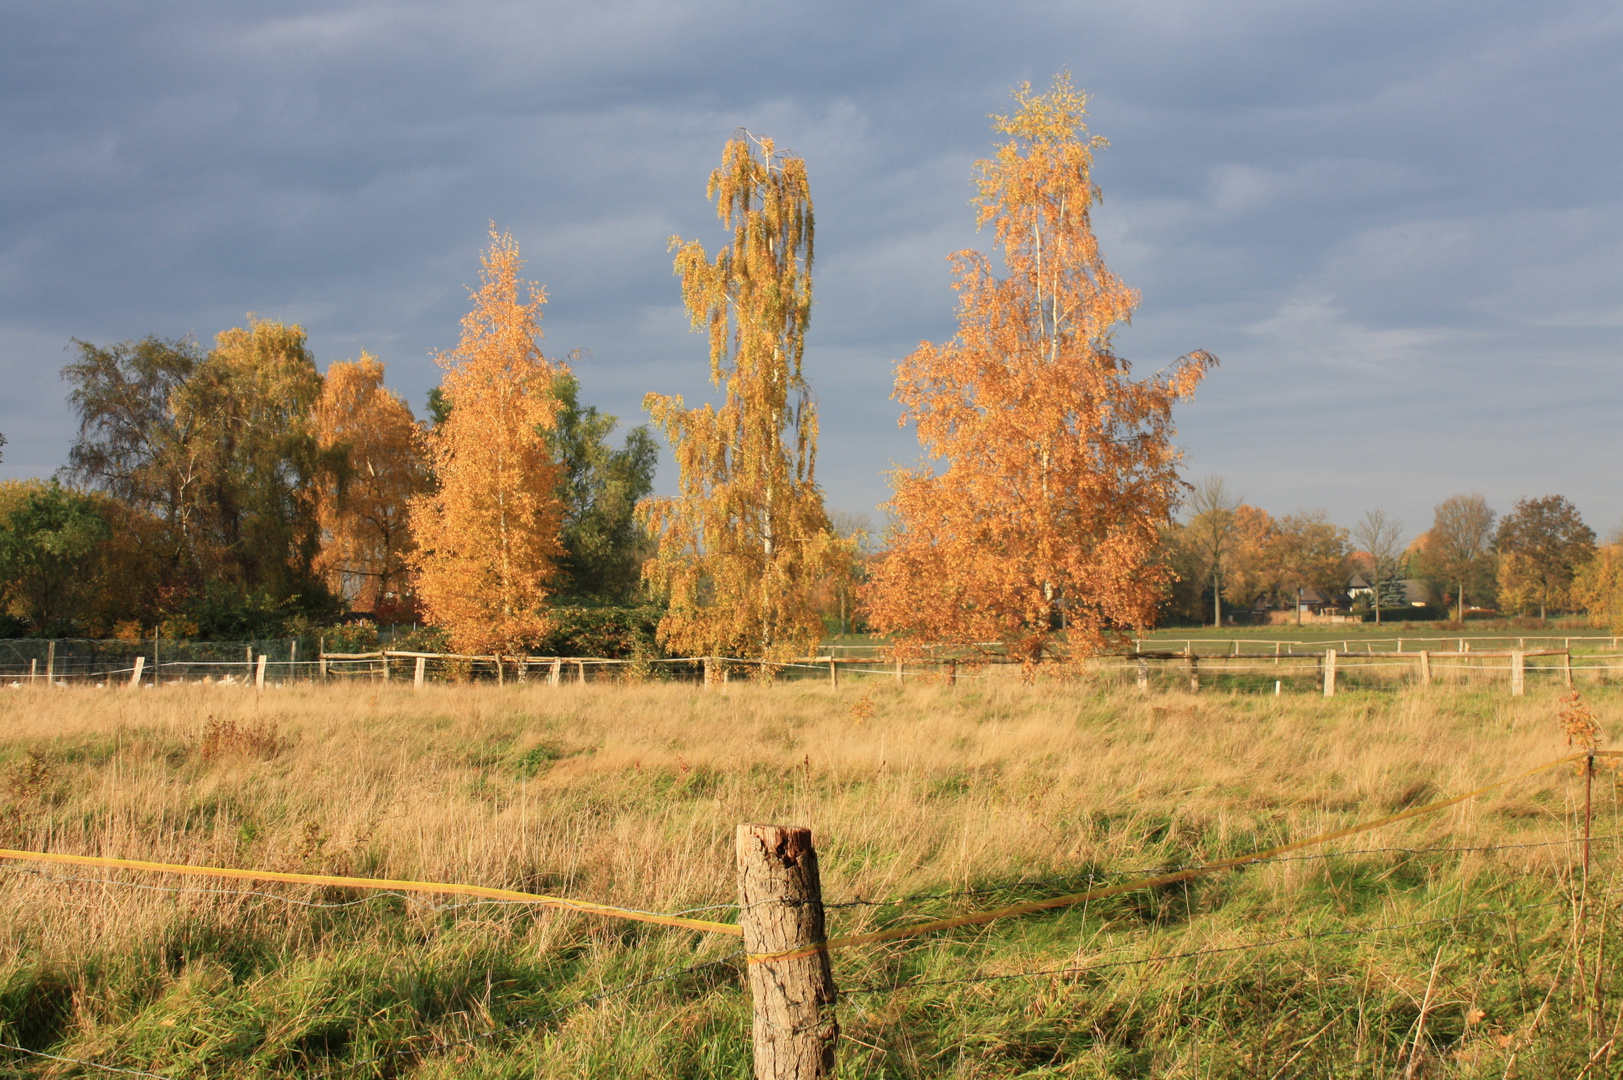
{"x": 780, "y": 903}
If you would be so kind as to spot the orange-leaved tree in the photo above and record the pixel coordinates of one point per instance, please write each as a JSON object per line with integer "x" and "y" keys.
{"x": 1056, "y": 465}
{"x": 487, "y": 535}
{"x": 746, "y": 542}
{"x": 376, "y": 468}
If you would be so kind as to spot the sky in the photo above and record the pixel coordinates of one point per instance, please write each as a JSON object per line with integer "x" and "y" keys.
{"x": 1396, "y": 224}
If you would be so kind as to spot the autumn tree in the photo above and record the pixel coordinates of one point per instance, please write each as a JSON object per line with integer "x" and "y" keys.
{"x": 746, "y": 541}
{"x": 487, "y": 536}
{"x": 1309, "y": 552}
{"x": 1050, "y": 469}
{"x": 375, "y": 468}
{"x": 1210, "y": 531}
{"x": 1248, "y": 571}
{"x": 1458, "y": 542}
{"x": 1597, "y": 587}
{"x": 1541, "y": 544}
{"x": 1381, "y": 539}
{"x": 217, "y": 448}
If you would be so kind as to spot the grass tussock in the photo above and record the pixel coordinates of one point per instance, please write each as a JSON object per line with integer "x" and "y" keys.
{"x": 926, "y": 801}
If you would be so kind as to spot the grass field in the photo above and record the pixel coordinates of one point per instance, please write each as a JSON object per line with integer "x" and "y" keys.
{"x": 1493, "y": 961}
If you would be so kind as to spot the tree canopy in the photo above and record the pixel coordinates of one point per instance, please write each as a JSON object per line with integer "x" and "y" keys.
{"x": 1049, "y": 468}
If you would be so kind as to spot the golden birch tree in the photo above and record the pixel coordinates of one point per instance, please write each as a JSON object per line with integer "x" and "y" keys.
{"x": 376, "y": 469}
{"x": 1056, "y": 467}
{"x": 487, "y": 536}
{"x": 744, "y": 545}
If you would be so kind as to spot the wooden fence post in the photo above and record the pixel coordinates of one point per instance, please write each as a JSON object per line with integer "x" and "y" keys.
{"x": 1566, "y": 666}
{"x": 1425, "y": 667}
{"x": 50, "y": 663}
{"x": 135, "y": 677}
{"x": 1143, "y": 674}
{"x": 321, "y": 657}
{"x": 292, "y": 658}
{"x": 898, "y": 671}
{"x": 500, "y": 678}
{"x": 259, "y": 673}
{"x": 952, "y": 672}
{"x": 780, "y": 909}
{"x": 1329, "y": 673}
{"x": 556, "y": 675}
{"x": 833, "y": 673}
{"x": 1518, "y": 673}
{"x": 580, "y": 671}
{"x": 1194, "y": 673}
{"x": 422, "y": 670}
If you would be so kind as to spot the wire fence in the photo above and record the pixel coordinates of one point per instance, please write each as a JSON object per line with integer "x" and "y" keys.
{"x": 1375, "y": 934}
{"x": 1232, "y": 664}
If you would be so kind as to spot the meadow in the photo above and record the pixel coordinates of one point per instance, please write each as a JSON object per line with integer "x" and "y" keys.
{"x": 1465, "y": 943}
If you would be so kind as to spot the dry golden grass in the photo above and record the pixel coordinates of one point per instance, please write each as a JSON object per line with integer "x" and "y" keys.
{"x": 630, "y": 795}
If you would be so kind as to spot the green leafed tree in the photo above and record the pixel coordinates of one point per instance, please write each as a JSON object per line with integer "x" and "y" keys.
{"x": 50, "y": 543}
{"x": 604, "y": 542}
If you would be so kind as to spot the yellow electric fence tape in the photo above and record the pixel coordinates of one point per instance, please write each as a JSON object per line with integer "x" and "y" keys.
{"x": 380, "y": 883}
{"x": 728, "y": 928}
{"x": 978, "y": 917}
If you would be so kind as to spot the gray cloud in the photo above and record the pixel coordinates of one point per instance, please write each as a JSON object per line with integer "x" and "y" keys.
{"x": 1397, "y": 224}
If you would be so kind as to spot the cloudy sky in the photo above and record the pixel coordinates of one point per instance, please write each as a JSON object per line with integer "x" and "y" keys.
{"x": 1397, "y": 224}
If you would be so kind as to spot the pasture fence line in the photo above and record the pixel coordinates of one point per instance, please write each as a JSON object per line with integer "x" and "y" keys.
{"x": 781, "y": 917}
{"x": 1283, "y": 663}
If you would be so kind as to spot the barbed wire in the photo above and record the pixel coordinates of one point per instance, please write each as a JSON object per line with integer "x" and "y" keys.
{"x": 882, "y": 988}
{"x": 1094, "y": 876}
{"x": 1090, "y": 878}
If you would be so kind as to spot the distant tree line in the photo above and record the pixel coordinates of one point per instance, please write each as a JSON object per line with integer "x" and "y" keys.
{"x": 1539, "y": 560}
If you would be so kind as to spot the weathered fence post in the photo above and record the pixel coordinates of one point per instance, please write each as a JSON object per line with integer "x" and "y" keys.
{"x": 135, "y": 676}
{"x": 952, "y": 672}
{"x": 556, "y": 675}
{"x": 1566, "y": 666}
{"x": 780, "y": 909}
{"x": 500, "y": 678}
{"x": 898, "y": 671}
{"x": 833, "y": 673}
{"x": 1194, "y": 673}
{"x": 1329, "y": 673}
{"x": 422, "y": 670}
{"x": 1518, "y": 673}
{"x": 580, "y": 671}
{"x": 292, "y": 658}
{"x": 259, "y": 672}
{"x": 1143, "y": 674}
{"x": 321, "y": 656}
{"x": 50, "y": 663}
{"x": 1425, "y": 667}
